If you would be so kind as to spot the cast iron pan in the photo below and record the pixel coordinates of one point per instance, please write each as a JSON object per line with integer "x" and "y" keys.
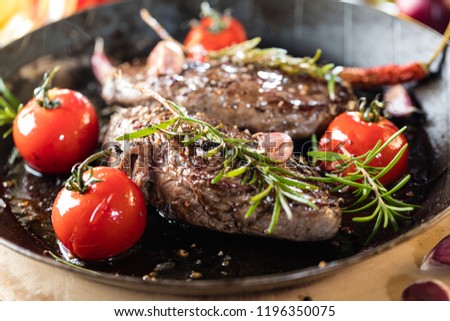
{"x": 347, "y": 34}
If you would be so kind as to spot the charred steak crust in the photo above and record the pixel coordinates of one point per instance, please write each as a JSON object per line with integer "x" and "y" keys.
{"x": 177, "y": 181}
{"x": 247, "y": 96}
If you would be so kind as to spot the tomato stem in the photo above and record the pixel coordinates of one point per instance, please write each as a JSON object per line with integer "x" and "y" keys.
{"x": 371, "y": 113}
{"x": 218, "y": 24}
{"x": 77, "y": 181}
{"x": 41, "y": 92}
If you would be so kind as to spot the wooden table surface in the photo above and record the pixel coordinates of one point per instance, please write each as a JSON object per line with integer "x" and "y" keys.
{"x": 382, "y": 277}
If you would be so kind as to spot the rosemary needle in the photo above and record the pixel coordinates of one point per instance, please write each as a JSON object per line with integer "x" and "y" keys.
{"x": 75, "y": 266}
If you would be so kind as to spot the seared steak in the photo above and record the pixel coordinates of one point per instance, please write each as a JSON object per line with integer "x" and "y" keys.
{"x": 249, "y": 97}
{"x": 177, "y": 180}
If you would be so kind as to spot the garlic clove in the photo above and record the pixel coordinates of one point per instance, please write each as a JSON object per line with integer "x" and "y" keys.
{"x": 276, "y": 146}
{"x": 427, "y": 290}
{"x": 398, "y": 102}
{"x": 438, "y": 257}
{"x": 167, "y": 58}
{"x": 101, "y": 65}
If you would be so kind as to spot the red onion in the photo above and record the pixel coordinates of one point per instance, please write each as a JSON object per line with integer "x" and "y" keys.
{"x": 434, "y": 13}
{"x": 439, "y": 256}
{"x": 427, "y": 290}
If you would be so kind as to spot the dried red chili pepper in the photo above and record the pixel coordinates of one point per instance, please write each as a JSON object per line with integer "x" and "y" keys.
{"x": 384, "y": 75}
{"x": 392, "y": 74}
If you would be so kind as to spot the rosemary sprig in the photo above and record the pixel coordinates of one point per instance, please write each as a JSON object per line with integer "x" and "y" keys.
{"x": 9, "y": 107}
{"x": 242, "y": 158}
{"x": 247, "y": 53}
{"x": 364, "y": 180}
{"x": 75, "y": 266}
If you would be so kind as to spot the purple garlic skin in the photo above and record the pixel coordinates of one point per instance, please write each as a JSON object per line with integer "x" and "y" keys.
{"x": 398, "y": 102}
{"x": 439, "y": 256}
{"x": 101, "y": 66}
{"x": 427, "y": 290}
{"x": 276, "y": 146}
{"x": 167, "y": 58}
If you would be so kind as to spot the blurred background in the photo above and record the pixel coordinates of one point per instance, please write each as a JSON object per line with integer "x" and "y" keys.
{"x": 20, "y": 17}
{"x": 433, "y": 13}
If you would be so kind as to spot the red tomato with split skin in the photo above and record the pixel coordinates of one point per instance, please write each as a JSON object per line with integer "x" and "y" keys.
{"x": 213, "y": 32}
{"x": 349, "y": 133}
{"x": 107, "y": 219}
{"x": 52, "y": 140}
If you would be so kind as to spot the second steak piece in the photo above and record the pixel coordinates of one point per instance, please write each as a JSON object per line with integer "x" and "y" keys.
{"x": 177, "y": 180}
{"x": 246, "y": 96}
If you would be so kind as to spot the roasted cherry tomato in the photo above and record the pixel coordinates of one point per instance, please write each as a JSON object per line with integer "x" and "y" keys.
{"x": 350, "y": 133}
{"x": 107, "y": 219}
{"x": 213, "y": 32}
{"x": 55, "y": 130}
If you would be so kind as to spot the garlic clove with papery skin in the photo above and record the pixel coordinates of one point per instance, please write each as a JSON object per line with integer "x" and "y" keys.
{"x": 427, "y": 290}
{"x": 167, "y": 58}
{"x": 398, "y": 102}
{"x": 439, "y": 256}
{"x": 101, "y": 65}
{"x": 276, "y": 146}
